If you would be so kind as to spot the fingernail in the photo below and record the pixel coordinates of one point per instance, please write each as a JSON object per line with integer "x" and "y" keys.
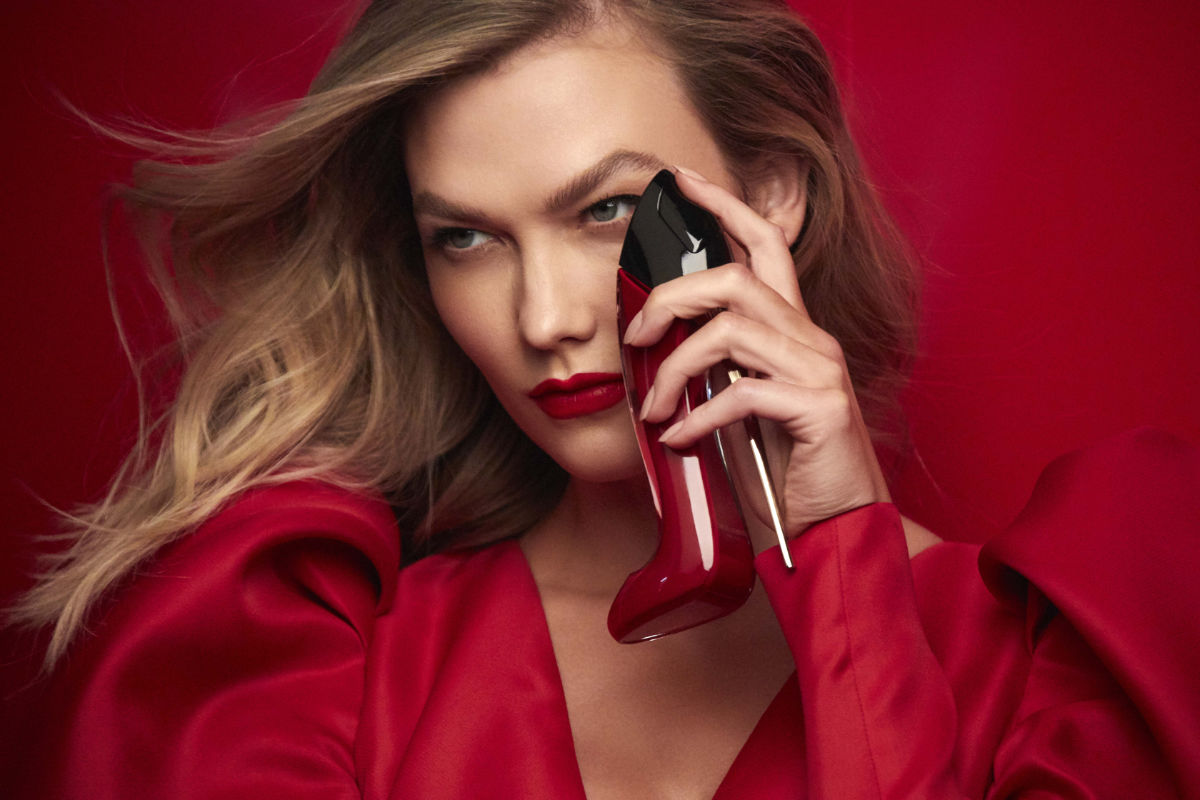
{"x": 635, "y": 325}
{"x": 646, "y": 403}
{"x": 670, "y": 432}
{"x": 691, "y": 173}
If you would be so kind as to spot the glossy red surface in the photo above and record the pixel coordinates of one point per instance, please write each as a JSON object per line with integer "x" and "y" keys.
{"x": 703, "y": 568}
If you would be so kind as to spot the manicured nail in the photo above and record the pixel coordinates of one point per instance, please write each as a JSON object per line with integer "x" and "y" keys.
{"x": 634, "y": 327}
{"x": 670, "y": 432}
{"x": 646, "y": 403}
{"x": 691, "y": 173}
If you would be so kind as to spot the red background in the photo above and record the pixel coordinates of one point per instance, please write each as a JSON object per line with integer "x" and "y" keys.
{"x": 1041, "y": 157}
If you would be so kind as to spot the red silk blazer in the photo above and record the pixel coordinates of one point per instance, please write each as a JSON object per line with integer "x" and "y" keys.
{"x": 281, "y": 651}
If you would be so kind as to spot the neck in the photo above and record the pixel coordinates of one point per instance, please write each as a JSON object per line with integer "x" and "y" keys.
{"x": 596, "y": 535}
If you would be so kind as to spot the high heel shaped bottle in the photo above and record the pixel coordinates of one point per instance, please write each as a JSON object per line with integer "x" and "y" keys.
{"x": 703, "y": 568}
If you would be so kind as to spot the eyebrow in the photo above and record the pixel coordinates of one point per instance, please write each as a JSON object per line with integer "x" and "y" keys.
{"x": 585, "y": 182}
{"x": 566, "y": 196}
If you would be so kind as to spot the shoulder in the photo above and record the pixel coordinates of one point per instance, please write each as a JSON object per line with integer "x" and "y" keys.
{"x": 1118, "y": 516}
{"x": 1107, "y": 545}
{"x": 1109, "y": 536}
{"x": 273, "y": 553}
{"x": 302, "y": 510}
{"x": 237, "y": 653}
{"x": 291, "y": 530}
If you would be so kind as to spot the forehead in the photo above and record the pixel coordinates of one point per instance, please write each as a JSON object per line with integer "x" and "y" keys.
{"x": 550, "y": 110}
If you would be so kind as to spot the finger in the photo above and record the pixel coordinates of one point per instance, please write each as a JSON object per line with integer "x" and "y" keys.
{"x": 804, "y": 413}
{"x": 750, "y": 345}
{"x": 732, "y": 286}
{"x": 765, "y": 243}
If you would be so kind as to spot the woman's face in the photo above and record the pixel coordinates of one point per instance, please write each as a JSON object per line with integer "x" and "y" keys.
{"x": 523, "y": 179}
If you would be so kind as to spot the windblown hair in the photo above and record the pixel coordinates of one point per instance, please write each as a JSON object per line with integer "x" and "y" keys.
{"x": 308, "y": 342}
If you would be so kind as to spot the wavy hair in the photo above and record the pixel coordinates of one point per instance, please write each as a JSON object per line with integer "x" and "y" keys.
{"x": 308, "y": 344}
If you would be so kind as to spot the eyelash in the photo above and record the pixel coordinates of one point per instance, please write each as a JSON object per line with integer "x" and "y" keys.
{"x": 441, "y": 237}
{"x": 618, "y": 198}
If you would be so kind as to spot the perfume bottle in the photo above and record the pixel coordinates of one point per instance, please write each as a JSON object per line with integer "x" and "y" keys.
{"x": 703, "y": 568}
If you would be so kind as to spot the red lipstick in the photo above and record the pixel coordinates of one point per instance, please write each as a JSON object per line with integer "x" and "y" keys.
{"x": 579, "y": 395}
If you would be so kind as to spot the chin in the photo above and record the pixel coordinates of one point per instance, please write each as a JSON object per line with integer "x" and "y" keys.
{"x": 602, "y": 455}
{"x": 602, "y": 470}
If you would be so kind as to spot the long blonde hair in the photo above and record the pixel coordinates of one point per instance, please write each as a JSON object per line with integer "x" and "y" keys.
{"x": 309, "y": 346}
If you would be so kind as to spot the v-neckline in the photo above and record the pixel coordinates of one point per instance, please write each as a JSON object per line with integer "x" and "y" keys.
{"x": 545, "y": 641}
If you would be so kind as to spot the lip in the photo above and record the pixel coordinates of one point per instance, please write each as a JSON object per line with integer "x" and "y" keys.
{"x": 579, "y": 395}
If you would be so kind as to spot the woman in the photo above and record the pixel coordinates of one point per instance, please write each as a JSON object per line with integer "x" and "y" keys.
{"x": 395, "y": 290}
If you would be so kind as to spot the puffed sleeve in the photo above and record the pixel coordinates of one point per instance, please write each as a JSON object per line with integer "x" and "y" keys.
{"x": 233, "y": 667}
{"x": 1095, "y": 717}
{"x": 1109, "y": 545}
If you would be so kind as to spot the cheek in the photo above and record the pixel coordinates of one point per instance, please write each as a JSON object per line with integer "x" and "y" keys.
{"x": 474, "y": 316}
{"x": 595, "y": 281}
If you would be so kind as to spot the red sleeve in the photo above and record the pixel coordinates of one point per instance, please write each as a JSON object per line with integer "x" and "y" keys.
{"x": 868, "y": 679}
{"x": 235, "y": 667}
{"x": 879, "y": 714}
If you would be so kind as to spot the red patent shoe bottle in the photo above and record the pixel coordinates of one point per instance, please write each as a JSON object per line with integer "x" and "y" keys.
{"x": 703, "y": 568}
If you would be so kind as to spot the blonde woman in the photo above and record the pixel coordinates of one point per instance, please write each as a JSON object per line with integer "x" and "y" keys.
{"x": 364, "y": 556}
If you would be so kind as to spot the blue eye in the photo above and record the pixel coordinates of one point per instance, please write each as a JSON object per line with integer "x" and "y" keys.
{"x": 612, "y": 208}
{"x": 460, "y": 238}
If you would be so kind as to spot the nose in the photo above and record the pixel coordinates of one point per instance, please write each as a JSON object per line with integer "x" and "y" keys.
{"x": 554, "y": 296}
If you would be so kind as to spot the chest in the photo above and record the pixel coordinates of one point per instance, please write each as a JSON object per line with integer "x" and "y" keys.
{"x": 666, "y": 718}
{"x": 466, "y": 695}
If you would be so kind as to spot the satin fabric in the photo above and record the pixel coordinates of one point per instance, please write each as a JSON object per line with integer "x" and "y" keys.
{"x": 280, "y": 651}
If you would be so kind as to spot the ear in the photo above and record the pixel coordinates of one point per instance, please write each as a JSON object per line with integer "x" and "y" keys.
{"x": 780, "y": 194}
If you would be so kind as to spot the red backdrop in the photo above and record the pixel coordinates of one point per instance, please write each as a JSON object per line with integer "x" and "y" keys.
{"x": 1042, "y": 158}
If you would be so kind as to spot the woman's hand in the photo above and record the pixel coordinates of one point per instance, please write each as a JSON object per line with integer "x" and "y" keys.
{"x": 798, "y": 378}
